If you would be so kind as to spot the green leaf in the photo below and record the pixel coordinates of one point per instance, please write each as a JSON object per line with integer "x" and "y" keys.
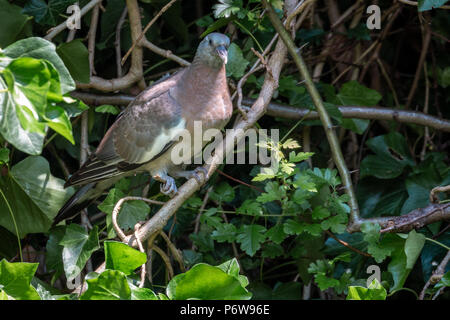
{"x": 131, "y": 213}
{"x": 4, "y": 155}
{"x": 225, "y": 232}
{"x": 223, "y": 193}
{"x": 375, "y": 292}
{"x": 119, "y": 256}
{"x": 76, "y": 58}
{"x": 320, "y": 213}
{"x": 413, "y": 247}
{"x": 206, "y": 282}
{"x": 425, "y": 5}
{"x": 106, "y": 108}
{"x": 142, "y": 293}
{"x": 250, "y": 207}
{"x": 276, "y": 234}
{"x": 354, "y": 93}
{"x": 272, "y": 250}
{"x": 392, "y": 156}
{"x": 54, "y": 250}
{"x": 325, "y": 282}
{"x": 40, "y": 48}
{"x": 232, "y": 268}
{"x": 78, "y": 247}
{"x": 34, "y": 195}
{"x": 236, "y": 64}
{"x": 250, "y": 238}
{"x": 11, "y": 128}
{"x": 109, "y": 285}
{"x": 15, "y": 280}
{"x": 47, "y": 13}
{"x": 13, "y": 23}
{"x": 273, "y": 192}
{"x": 226, "y": 8}
{"x": 375, "y": 247}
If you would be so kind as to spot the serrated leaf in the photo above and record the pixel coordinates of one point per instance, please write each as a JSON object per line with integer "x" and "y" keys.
{"x": 107, "y": 109}
{"x": 250, "y": 237}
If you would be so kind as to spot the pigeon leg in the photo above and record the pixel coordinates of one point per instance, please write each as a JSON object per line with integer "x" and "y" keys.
{"x": 200, "y": 174}
{"x": 168, "y": 186}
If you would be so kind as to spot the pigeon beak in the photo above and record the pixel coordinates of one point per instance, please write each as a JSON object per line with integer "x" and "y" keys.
{"x": 223, "y": 53}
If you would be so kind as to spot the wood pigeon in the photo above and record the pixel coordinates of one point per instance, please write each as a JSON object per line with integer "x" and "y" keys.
{"x": 143, "y": 135}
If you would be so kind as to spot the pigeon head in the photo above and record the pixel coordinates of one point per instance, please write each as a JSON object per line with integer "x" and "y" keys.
{"x": 213, "y": 50}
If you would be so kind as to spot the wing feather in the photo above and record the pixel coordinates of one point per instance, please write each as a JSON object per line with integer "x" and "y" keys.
{"x": 142, "y": 132}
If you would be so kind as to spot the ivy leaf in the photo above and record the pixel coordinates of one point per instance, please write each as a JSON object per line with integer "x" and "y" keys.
{"x": 232, "y": 268}
{"x": 375, "y": 291}
{"x": 46, "y": 13}
{"x": 76, "y": 58}
{"x": 203, "y": 281}
{"x": 236, "y": 64}
{"x": 226, "y": 8}
{"x": 425, "y": 5}
{"x": 15, "y": 280}
{"x": 119, "y": 256}
{"x": 33, "y": 194}
{"x": 250, "y": 238}
{"x": 40, "y": 48}
{"x": 78, "y": 247}
{"x": 109, "y": 285}
{"x": 4, "y": 155}
{"x": 413, "y": 246}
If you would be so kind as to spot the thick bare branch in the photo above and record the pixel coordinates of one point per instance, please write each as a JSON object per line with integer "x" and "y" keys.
{"x": 288, "y": 112}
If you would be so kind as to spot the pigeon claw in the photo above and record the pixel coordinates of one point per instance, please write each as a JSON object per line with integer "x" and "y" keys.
{"x": 169, "y": 188}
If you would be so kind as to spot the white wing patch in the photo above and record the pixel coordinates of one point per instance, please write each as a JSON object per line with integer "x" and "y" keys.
{"x": 165, "y": 137}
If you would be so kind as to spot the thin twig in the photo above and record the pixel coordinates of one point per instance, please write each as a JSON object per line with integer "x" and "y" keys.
{"x": 139, "y": 38}
{"x": 433, "y": 197}
{"x": 345, "y": 244}
{"x": 437, "y": 275}
{"x": 166, "y": 260}
{"x": 141, "y": 249}
{"x": 199, "y": 214}
{"x": 324, "y": 117}
{"x": 423, "y": 54}
{"x": 175, "y": 252}
{"x": 117, "y": 41}
{"x": 54, "y": 31}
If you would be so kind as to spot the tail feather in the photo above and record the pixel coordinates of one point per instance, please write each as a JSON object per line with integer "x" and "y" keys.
{"x": 79, "y": 200}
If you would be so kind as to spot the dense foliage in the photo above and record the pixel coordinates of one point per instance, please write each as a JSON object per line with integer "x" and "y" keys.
{"x": 247, "y": 233}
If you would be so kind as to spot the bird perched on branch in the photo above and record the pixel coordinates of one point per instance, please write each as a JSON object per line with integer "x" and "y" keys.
{"x": 143, "y": 135}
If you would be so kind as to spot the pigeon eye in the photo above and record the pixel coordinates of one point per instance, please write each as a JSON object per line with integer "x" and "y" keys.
{"x": 210, "y": 42}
